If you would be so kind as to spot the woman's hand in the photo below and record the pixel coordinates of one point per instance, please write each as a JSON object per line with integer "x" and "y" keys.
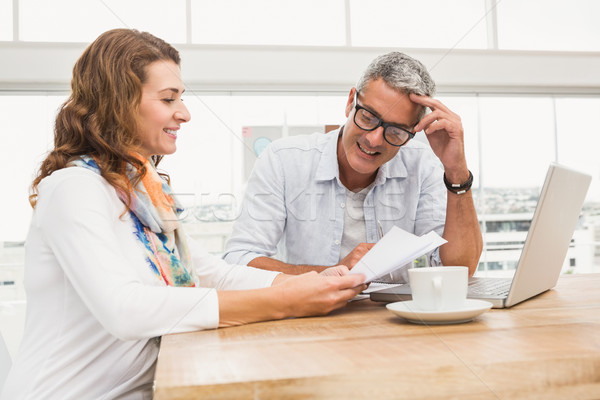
{"x": 291, "y": 296}
{"x": 318, "y": 294}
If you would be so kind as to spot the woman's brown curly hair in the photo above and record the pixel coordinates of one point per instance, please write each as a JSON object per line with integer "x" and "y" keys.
{"x": 100, "y": 117}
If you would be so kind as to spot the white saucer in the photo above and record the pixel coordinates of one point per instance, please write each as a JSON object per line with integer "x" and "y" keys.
{"x": 409, "y": 311}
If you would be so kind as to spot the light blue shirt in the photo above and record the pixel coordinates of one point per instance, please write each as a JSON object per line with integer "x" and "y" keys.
{"x": 293, "y": 209}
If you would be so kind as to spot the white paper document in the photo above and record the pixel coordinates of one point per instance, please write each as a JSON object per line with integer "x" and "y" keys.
{"x": 395, "y": 249}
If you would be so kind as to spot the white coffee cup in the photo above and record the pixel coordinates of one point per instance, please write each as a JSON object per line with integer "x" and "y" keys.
{"x": 439, "y": 288}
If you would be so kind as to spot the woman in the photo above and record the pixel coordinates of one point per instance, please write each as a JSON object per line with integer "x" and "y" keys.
{"x": 107, "y": 269}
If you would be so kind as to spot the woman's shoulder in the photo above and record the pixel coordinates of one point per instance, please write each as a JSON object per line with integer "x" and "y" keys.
{"x": 73, "y": 196}
{"x": 75, "y": 183}
{"x": 72, "y": 176}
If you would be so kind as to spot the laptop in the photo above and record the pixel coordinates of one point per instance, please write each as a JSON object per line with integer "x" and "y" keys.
{"x": 544, "y": 251}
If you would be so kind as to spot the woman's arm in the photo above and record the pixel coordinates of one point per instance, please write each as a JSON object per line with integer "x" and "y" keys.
{"x": 290, "y": 296}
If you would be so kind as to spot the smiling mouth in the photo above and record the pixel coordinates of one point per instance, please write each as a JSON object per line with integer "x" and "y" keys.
{"x": 171, "y": 132}
{"x": 370, "y": 153}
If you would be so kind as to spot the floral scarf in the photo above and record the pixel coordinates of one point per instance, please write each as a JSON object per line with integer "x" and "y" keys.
{"x": 155, "y": 214}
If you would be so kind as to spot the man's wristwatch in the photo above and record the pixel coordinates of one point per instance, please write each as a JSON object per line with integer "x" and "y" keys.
{"x": 459, "y": 188}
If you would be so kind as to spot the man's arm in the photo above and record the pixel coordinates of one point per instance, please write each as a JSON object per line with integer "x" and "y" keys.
{"x": 461, "y": 230}
{"x": 261, "y": 222}
{"x": 291, "y": 269}
{"x": 272, "y": 264}
{"x": 445, "y": 134}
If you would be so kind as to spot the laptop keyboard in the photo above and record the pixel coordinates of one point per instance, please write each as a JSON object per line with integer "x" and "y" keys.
{"x": 495, "y": 287}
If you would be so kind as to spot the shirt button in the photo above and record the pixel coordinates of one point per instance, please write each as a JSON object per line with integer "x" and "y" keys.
{"x": 337, "y": 242}
{"x": 342, "y": 205}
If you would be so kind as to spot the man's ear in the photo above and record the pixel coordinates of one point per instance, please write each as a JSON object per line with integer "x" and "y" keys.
{"x": 350, "y": 102}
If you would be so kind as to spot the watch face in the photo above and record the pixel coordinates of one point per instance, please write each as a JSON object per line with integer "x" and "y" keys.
{"x": 260, "y": 144}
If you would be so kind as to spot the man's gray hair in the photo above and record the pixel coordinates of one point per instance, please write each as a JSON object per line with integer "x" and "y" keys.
{"x": 399, "y": 72}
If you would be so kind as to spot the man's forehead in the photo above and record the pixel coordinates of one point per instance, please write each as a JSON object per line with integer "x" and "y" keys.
{"x": 390, "y": 104}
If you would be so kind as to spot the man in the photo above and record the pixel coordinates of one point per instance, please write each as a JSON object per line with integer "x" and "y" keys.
{"x": 325, "y": 199}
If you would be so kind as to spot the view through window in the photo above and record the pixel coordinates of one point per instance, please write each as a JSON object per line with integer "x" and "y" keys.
{"x": 508, "y": 151}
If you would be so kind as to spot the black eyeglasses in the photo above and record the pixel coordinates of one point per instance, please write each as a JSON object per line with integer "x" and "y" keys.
{"x": 367, "y": 121}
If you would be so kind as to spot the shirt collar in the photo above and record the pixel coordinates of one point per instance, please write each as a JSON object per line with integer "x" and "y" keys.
{"x": 328, "y": 168}
{"x": 395, "y": 168}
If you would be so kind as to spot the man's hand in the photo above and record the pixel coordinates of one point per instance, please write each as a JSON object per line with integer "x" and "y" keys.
{"x": 338, "y": 270}
{"x": 445, "y": 133}
{"x": 359, "y": 251}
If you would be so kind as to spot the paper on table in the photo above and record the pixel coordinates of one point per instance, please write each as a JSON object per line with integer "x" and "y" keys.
{"x": 393, "y": 250}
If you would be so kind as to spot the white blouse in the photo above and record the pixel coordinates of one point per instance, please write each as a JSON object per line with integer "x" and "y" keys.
{"x": 93, "y": 304}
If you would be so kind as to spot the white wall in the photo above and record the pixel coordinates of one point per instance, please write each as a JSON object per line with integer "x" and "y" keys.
{"x": 47, "y": 66}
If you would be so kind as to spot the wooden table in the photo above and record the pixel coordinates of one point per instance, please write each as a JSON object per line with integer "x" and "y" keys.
{"x": 545, "y": 348}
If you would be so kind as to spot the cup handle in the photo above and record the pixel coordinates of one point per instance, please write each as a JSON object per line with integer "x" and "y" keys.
{"x": 437, "y": 290}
